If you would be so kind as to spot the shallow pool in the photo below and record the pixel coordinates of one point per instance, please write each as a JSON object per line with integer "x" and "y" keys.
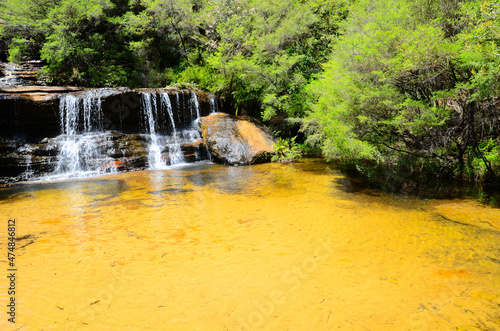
{"x": 269, "y": 246}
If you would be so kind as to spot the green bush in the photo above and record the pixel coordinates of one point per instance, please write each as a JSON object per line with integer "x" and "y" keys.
{"x": 17, "y": 50}
{"x": 286, "y": 150}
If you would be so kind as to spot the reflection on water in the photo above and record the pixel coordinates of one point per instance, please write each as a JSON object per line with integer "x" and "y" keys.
{"x": 269, "y": 246}
{"x": 91, "y": 187}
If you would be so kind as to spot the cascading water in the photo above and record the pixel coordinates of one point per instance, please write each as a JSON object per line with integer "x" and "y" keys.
{"x": 92, "y": 113}
{"x": 106, "y": 130}
{"x": 10, "y": 77}
{"x": 213, "y": 105}
{"x": 175, "y": 153}
{"x": 155, "y": 159}
{"x": 166, "y": 149}
{"x": 193, "y": 134}
{"x": 26, "y": 150}
{"x": 195, "y": 105}
{"x": 83, "y": 140}
{"x": 178, "y": 104}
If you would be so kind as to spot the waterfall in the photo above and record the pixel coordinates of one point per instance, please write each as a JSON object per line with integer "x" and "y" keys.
{"x": 167, "y": 149}
{"x": 192, "y": 134}
{"x": 82, "y": 143}
{"x": 92, "y": 113}
{"x": 155, "y": 159}
{"x": 68, "y": 110}
{"x": 195, "y": 106}
{"x": 72, "y": 123}
{"x": 106, "y": 130}
{"x": 10, "y": 75}
{"x": 178, "y": 104}
{"x": 28, "y": 159}
{"x": 213, "y": 104}
{"x": 175, "y": 152}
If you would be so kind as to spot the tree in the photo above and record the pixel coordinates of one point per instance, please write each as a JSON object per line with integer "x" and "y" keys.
{"x": 84, "y": 46}
{"x": 260, "y": 54}
{"x": 163, "y": 34}
{"x": 395, "y": 89}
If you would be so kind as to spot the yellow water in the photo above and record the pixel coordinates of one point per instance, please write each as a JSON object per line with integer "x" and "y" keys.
{"x": 266, "y": 247}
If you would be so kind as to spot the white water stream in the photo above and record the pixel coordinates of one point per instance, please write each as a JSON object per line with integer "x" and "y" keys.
{"x": 84, "y": 143}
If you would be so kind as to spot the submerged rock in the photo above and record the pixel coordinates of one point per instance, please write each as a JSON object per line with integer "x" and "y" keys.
{"x": 236, "y": 140}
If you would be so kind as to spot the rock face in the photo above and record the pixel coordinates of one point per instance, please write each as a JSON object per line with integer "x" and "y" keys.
{"x": 70, "y": 131}
{"x": 30, "y": 112}
{"x": 236, "y": 140}
{"x": 33, "y": 112}
{"x": 66, "y": 131}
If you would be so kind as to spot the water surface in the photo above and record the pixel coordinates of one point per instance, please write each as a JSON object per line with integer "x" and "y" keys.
{"x": 268, "y": 246}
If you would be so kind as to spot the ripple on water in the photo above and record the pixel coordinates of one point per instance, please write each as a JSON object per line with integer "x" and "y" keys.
{"x": 270, "y": 246}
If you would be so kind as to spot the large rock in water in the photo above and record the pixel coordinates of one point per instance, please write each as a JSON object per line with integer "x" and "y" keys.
{"x": 237, "y": 140}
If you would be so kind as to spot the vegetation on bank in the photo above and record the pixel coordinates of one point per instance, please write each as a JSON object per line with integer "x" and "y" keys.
{"x": 412, "y": 85}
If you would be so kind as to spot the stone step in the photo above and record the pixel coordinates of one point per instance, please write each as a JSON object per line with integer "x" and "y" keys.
{"x": 20, "y": 74}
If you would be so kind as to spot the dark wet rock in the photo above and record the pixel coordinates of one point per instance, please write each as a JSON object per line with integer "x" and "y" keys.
{"x": 21, "y": 161}
{"x": 31, "y": 132}
{"x": 237, "y": 140}
{"x": 32, "y": 112}
{"x": 194, "y": 151}
{"x": 25, "y": 118}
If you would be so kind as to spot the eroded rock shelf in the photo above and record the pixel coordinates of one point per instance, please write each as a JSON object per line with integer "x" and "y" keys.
{"x": 71, "y": 131}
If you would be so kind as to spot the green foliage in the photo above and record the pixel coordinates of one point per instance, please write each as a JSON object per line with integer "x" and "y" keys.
{"x": 78, "y": 47}
{"x": 286, "y": 150}
{"x": 328, "y": 124}
{"x": 484, "y": 159}
{"x": 409, "y": 78}
{"x": 480, "y": 52}
{"x": 258, "y": 52}
{"x": 412, "y": 82}
{"x": 162, "y": 36}
{"x": 17, "y": 50}
{"x": 79, "y": 40}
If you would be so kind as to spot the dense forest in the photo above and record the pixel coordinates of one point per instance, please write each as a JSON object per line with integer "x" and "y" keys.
{"x": 412, "y": 85}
